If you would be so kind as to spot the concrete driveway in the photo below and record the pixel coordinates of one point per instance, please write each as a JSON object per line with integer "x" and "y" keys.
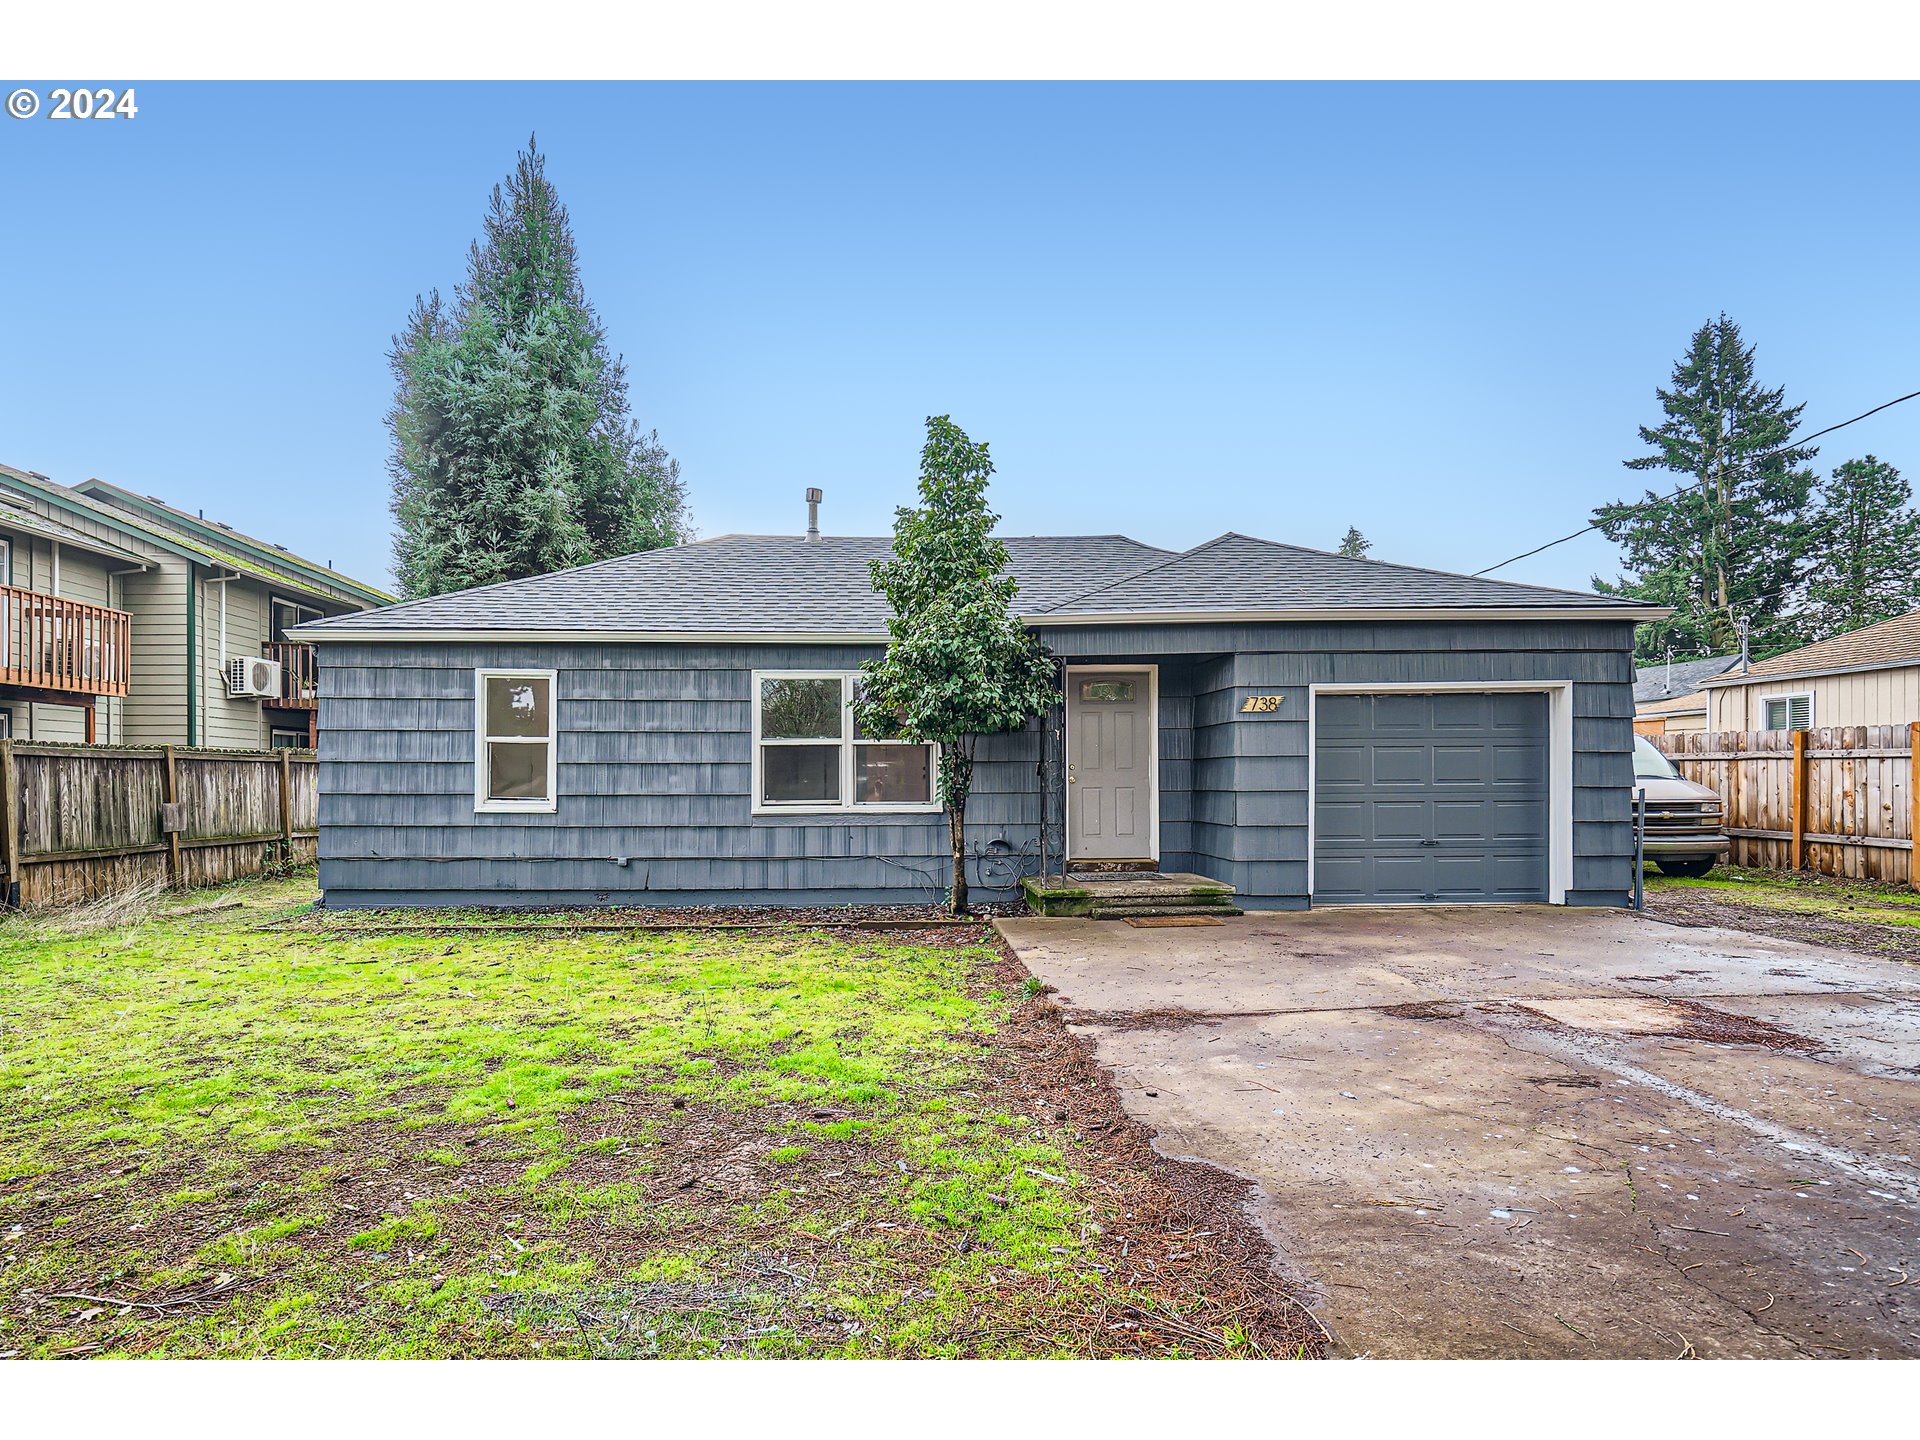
{"x": 1534, "y": 1131}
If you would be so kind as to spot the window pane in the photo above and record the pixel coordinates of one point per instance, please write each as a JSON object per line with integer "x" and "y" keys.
{"x": 863, "y": 732}
{"x": 892, "y": 774}
{"x": 800, "y": 774}
{"x": 517, "y": 706}
{"x": 516, "y": 771}
{"x": 1121, "y": 690}
{"x": 801, "y": 709}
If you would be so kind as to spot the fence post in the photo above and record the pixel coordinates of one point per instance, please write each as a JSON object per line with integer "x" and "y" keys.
{"x": 286, "y": 803}
{"x": 9, "y": 828}
{"x": 1913, "y": 803}
{"x": 172, "y": 796}
{"x": 1799, "y": 786}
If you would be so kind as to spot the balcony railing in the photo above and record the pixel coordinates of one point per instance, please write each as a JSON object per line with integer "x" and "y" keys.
{"x": 62, "y": 646}
{"x": 299, "y": 675}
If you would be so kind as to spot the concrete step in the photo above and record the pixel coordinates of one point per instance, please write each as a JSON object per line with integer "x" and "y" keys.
{"x": 1155, "y": 902}
{"x": 1102, "y": 911}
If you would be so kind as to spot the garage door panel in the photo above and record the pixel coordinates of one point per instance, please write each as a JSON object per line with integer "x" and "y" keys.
{"x": 1517, "y": 820}
{"x": 1401, "y": 877}
{"x": 1398, "y": 764}
{"x": 1460, "y": 764}
{"x": 1399, "y": 820}
{"x": 1518, "y": 764}
{"x": 1431, "y": 797}
{"x": 1400, "y": 713}
{"x": 1337, "y": 821}
{"x": 1340, "y": 765}
{"x": 1461, "y": 819}
{"x": 1459, "y": 712}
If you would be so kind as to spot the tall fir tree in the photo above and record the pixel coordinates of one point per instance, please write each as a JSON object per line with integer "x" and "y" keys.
{"x": 1732, "y": 543}
{"x": 1354, "y": 545}
{"x": 1867, "y": 535}
{"x": 514, "y": 450}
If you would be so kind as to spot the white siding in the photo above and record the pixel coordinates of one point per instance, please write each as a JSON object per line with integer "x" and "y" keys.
{"x": 1870, "y": 697}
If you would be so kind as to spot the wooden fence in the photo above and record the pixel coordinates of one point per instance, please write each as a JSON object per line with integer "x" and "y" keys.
{"x": 82, "y": 821}
{"x": 1844, "y": 800}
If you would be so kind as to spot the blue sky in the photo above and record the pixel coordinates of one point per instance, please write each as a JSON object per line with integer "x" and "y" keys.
{"x": 1435, "y": 312}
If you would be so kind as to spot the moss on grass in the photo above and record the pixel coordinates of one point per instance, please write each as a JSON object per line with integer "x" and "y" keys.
{"x": 309, "y": 1142}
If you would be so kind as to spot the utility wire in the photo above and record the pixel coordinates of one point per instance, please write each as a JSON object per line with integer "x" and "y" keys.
{"x": 1661, "y": 499}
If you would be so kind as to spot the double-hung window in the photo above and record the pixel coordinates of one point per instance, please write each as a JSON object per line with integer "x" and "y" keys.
{"x": 1789, "y": 712}
{"x": 513, "y": 749}
{"x": 809, "y": 756}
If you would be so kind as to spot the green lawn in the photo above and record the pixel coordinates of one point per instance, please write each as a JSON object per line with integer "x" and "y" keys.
{"x": 286, "y": 1139}
{"x": 1855, "y": 901}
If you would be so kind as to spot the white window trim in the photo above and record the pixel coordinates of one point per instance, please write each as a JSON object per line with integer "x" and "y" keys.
{"x": 483, "y": 804}
{"x": 846, "y": 805}
{"x": 1787, "y": 697}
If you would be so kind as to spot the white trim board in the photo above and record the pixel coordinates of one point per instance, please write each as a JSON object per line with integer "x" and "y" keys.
{"x": 1152, "y": 672}
{"x": 847, "y": 743}
{"x": 482, "y": 803}
{"x": 1559, "y": 695}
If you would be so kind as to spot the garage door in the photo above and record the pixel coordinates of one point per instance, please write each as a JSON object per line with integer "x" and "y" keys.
{"x": 1436, "y": 798}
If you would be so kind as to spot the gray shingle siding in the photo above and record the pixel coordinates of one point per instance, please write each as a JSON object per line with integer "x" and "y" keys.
{"x": 654, "y": 765}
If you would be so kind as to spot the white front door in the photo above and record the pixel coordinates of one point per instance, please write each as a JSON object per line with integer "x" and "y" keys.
{"x": 1110, "y": 769}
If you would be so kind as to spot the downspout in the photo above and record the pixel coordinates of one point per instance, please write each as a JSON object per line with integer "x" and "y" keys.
{"x": 193, "y": 657}
{"x": 117, "y": 720}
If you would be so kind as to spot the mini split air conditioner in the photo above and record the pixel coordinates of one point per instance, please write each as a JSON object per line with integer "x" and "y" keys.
{"x": 253, "y": 677}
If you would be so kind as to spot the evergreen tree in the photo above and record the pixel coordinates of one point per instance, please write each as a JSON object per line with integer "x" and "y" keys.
{"x": 1354, "y": 545}
{"x": 1867, "y": 536}
{"x": 1732, "y": 543}
{"x": 514, "y": 452}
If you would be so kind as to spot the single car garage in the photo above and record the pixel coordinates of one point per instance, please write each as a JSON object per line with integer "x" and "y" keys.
{"x": 1438, "y": 797}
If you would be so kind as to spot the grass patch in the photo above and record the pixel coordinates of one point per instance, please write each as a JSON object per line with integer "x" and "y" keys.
{"x": 296, "y": 1139}
{"x": 1854, "y": 901}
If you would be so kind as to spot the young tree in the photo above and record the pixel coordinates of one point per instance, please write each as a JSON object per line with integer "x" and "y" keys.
{"x": 514, "y": 452}
{"x": 1354, "y": 545}
{"x": 959, "y": 663}
{"x": 1732, "y": 542}
{"x": 1867, "y": 535}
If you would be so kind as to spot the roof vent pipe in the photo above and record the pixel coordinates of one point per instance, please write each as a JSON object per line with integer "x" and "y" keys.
{"x": 814, "y": 497}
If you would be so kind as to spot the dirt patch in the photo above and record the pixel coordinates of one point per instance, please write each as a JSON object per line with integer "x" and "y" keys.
{"x": 1680, "y": 905}
{"x": 1170, "y": 1018}
{"x": 1717, "y": 1027}
{"x": 1426, "y": 1010}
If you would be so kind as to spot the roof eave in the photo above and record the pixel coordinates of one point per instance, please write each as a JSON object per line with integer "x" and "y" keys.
{"x": 323, "y": 632}
{"x": 1621, "y": 613}
{"x": 262, "y": 552}
{"x": 1768, "y": 677}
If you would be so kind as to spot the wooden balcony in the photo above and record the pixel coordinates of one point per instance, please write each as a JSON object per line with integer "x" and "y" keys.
{"x": 65, "y": 650}
{"x": 299, "y": 675}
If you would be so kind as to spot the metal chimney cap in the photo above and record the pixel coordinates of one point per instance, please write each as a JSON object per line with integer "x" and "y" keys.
{"x": 815, "y": 495}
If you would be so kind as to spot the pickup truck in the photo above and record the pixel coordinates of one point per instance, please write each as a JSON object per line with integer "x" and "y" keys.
{"x": 1686, "y": 823}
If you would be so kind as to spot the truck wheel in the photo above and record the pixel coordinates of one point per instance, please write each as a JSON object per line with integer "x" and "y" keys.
{"x": 1686, "y": 869}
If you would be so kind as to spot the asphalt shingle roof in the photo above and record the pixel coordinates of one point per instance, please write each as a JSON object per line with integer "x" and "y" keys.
{"x": 15, "y": 518}
{"x": 1242, "y": 573}
{"x": 1890, "y": 642}
{"x": 743, "y": 584}
{"x": 1652, "y": 682}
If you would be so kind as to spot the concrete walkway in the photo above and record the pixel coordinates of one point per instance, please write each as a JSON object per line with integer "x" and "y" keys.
{"x": 1533, "y": 1131}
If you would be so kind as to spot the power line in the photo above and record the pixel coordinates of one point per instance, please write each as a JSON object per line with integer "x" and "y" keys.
{"x": 1658, "y": 500}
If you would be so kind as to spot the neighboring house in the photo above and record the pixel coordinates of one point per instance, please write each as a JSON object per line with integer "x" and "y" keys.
{"x": 119, "y": 616}
{"x": 1668, "y": 697}
{"x": 671, "y": 728}
{"x": 1869, "y": 676}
